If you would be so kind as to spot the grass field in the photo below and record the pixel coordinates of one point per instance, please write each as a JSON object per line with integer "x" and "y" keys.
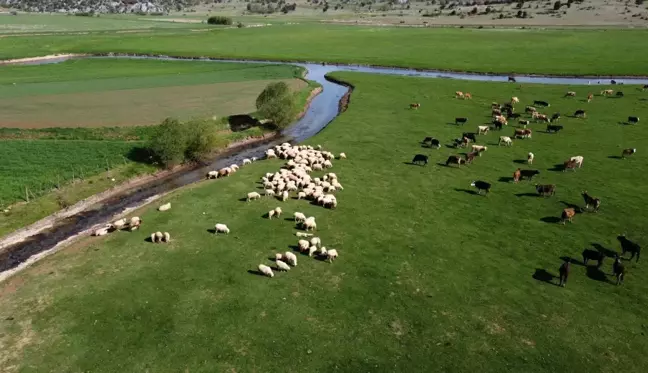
{"x": 98, "y": 93}
{"x": 580, "y": 52}
{"x": 431, "y": 277}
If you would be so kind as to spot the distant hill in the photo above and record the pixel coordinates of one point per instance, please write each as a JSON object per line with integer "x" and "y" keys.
{"x": 96, "y": 6}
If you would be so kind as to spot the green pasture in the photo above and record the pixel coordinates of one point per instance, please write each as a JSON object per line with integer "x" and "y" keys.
{"x": 561, "y": 52}
{"x": 431, "y": 276}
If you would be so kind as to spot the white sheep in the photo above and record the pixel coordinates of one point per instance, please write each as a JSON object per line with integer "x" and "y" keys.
{"x": 303, "y": 245}
{"x": 165, "y": 207}
{"x": 278, "y": 256}
{"x": 302, "y": 234}
{"x": 335, "y": 184}
{"x": 278, "y": 211}
{"x": 135, "y": 223}
{"x": 221, "y": 228}
{"x": 322, "y": 251}
{"x": 328, "y": 164}
{"x": 101, "y": 231}
{"x": 309, "y": 224}
{"x": 119, "y": 224}
{"x": 282, "y": 266}
{"x": 271, "y": 213}
{"x": 269, "y": 193}
{"x": 166, "y": 237}
{"x": 266, "y": 270}
{"x": 212, "y": 174}
{"x": 270, "y": 153}
{"x": 342, "y": 156}
{"x": 153, "y": 238}
{"x": 332, "y": 254}
{"x": 301, "y": 195}
{"x": 234, "y": 167}
{"x": 253, "y": 195}
{"x": 312, "y": 250}
{"x": 254, "y": 159}
{"x": 291, "y": 258}
{"x": 246, "y": 161}
{"x": 157, "y": 237}
{"x": 284, "y": 196}
{"x": 316, "y": 241}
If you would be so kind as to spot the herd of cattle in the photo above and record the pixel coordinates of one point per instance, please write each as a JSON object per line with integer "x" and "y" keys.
{"x": 501, "y": 114}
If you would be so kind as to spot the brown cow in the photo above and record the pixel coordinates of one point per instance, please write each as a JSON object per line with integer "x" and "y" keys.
{"x": 456, "y": 159}
{"x": 570, "y": 165}
{"x": 415, "y": 105}
{"x": 496, "y": 112}
{"x": 471, "y": 157}
{"x": 468, "y": 96}
{"x": 570, "y": 94}
{"x": 628, "y": 152}
{"x": 567, "y": 215}
{"x": 459, "y": 94}
{"x": 516, "y": 175}
{"x": 590, "y": 97}
{"x": 607, "y": 92}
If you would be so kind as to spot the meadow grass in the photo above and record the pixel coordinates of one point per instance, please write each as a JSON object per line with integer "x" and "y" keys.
{"x": 431, "y": 277}
{"x": 560, "y": 52}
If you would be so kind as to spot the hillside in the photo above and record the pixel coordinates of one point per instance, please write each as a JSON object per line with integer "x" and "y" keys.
{"x": 95, "y": 6}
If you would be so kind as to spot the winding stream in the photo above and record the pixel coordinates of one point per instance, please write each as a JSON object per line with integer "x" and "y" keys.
{"x": 323, "y": 109}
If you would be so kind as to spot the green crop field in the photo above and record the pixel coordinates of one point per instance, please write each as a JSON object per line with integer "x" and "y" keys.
{"x": 97, "y": 93}
{"x": 431, "y": 276}
{"x": 562, "y": 52}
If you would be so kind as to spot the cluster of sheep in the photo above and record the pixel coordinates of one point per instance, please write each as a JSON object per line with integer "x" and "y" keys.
{"x": 226, "y": 171}
{"x": 287, "y": 260}
{"x": 160, "y": 237}
{"x": 130, "y": 224}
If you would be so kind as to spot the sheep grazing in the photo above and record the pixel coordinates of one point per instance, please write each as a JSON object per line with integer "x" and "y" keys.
{"x": 459, "y": 94}
{"x": 309, "y": 224}
{"x": 530, "y": 109}
{"x": 506, "y": 140}
{"x": 119, "y": 224}
{"x": 278, "y": 256}
{"x": 212, "y": 175}
{"x": 415, "y": 105}
{"x": 332, "y": 255}
{"x": 627, "y": 152}
{"x": 165, "y": 207}
{"x": 270, "y": 153}
{"x": 530, "y": 158}
{"x": 567, "y": 215}
{"x": 467, "y": 96}
{"x": 580, "y": 113}
{"x": 282, "y": 266}
{"x": 246, "y": 161}
{"x": 517, "y": 175}
{"x": 301, "y": 195}
{"x": 221, "y": 228}
{"x": 269, "y": 193}
{"x": 271, "y": 213}
{"x": 284, "y": 196}
{"x": 312, "y": 250}
{"x": 278, "y": 211}
{"x": 101, "y": 231}
{"x": 570, "y": 165}
{"x": 322, "y": 251}
{"x": 266, "y": 270}
{"x": 225, "y": 171}
{"x": 316, "y": 241}
{"x": 291, "y": 258}
{"x": 299, "y": 217}
{"x": 157, "y": 237}
{"x": 515, "y": 100}
{"x": 234, "y": 167}
{"x": 166, "y": 237}
{"x": 481, "y": 186}
{"x": 546, "y": 190}
{"x": 303, "y": 245}
{"x": 591, "y": 201}
{"x": 342, "y": 156}
{"x": 607, "y": 92}
{"x": 134, "y": 223}
{"x": 590, "y": 97}
{"x": 252, "y": 195}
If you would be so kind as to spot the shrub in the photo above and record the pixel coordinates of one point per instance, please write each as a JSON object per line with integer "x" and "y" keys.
{"x": 201, "y": 139}
{"x": 219, "y": 20}
{"x": 169, "y": 143}
{"x": 276, "y": 103}
{"x": 240, "y": 25}
{"x": 556, "y": 5}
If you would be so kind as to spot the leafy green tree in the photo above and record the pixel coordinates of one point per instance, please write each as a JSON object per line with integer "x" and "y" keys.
{"x": 169, "y": 142}
{"x": 277, "y": 104}
{"x": 201, "y": 139}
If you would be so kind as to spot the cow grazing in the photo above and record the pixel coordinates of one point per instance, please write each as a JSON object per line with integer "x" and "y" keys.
{"x": 522, "y": 133}
{"x": 461, "y": 143}
{"x": 481, "y": 186}
{"x": 506, "y": 140}
{"x": 591, "y": 201}
{"x": 496, "y": 112}
{"x": 619, "y": 270}
{"x": 570, "y": 165}
{"x": 555, "y": 117}
{"x": 563, "y": 271}
{"x": 470, "y": 157}
{"x": 524, "y": 122}
{"x": 530, "y": 109}
{"x": 482, "y": 130}
{"x": 455, "y": 159}
{"x": 590, "y": 97}
{"x": 570, "y": 94}
{"x": 546, "y": 190}
{"x": 589, "y": 254}
{"x": 510, "y": 115}
{"x": 567, "y": 215}
{"x": 619, "y": 94}
{"x": 633, "y": 120}
{"x": 497, "y": 125}
{"x": 415, "y": 105}
{"x": 528, "y": 174}
{"x": 461, "y": 121}
{"x": 517, "y": 175}
{"x": 627, "y": 152}
{"x": 470, "y": 136}
{"x": 431, "y": 142}
{"x": 530, "y": 158}
{"x": 501, "y": 119}
{"x": 580, "y": 113}
{"x": 420, "y": 159}
{"x": 607, "y": 92}
{"x": 554, "y": 128}
{"x": 541, "y": 103}
{"x": 459, "y": 94}
{"x": 629, "y": 246}
{"x": 467, "y": 96}
{"x": 512, "y": 79}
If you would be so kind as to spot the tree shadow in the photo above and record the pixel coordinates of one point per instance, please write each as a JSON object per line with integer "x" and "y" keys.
{"x": 596, "y": 274}
{"x": 256, "y": 272}
{"x": 469, "y": 191}
{"x": 602, "y": 249}
{"x": 520, "y": 161}
{"x": 551, "y": 219}
{"x": 615, "y": 157}
{"x": 527, "y": 195}
{"x": 140, "y": 155}
{"x": 544, "y": 276}
{"x": 505, "y": 179}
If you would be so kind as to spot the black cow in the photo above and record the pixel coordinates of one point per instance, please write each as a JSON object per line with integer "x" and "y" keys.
{"x": 511, "y": 79}
{"x": 461, "y": 121}
{"x": 619, "y": 94}
{"x": 431, "y": 142}
{"x": 629, "y": 246}
{"x": 455, "y": 159}
{"x": 513, "y": 115}
{"x": 554, "y": 128}
{"x": 460, "y": 143}
{"x": 633, "y": 120}
{"x": 470, "y": 136}
{"x": 619, "y": 270}
{"x": 564, "y": 273}
{"x": 481, "y": 186}
{"x": 529, "y": 174}
{"x": 580, "y": 113}
{"x": 546, "y": 190}
{"x": 555, "y": 117}
{"x": 645, "y": 87}
{"x": 589, "y": 254}
{"x": 541, "y": 103}
{"x": 497, "y": 125}
{"x": 591, "y": 201}
{"x": 420, "y": 158}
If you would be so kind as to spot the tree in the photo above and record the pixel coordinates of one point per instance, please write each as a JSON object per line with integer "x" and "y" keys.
{"x": 276, "y": 103}
{"x": 219, "y": 20}
{"x": 556, "y": 5}
{"x": 201, "y": 139}
{"x": 169, "y": 143}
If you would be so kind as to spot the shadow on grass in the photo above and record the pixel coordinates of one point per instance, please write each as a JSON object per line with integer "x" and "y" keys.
{"x": 469, "y": 191}
{"x": 140, "y": 155}
{"x": 557, "y": 168}
{"x": 571, "y": 260}
{"x": 413, "y": 164}
{"x": 244, "y": 199}
{"x": 551, "y": 219}
{"x": 544, "y": 276}
{"x": 505, "y": 179}
{"x": 295, "y": 248}
{"x": 450, "y": 146}
{"x": 255, "y": 272}
{"x": 615, "y": 157}
{"x": 577, "y": 208}
{"x": 527, "y": 195}
{"x": 148, "y": 239}
{"x": 212, "y": 230}
{"x": 602, "y": 249}
{"x": 596, "y": 274}
{"x": 520, "y": 161}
